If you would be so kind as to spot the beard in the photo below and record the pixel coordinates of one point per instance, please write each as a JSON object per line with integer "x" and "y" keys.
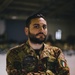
{"x": 33, "y": 38}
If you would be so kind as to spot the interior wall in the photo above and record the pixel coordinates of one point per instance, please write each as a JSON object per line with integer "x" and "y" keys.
{"x": 15, "y": 30}
{"x": 67, "y": 27}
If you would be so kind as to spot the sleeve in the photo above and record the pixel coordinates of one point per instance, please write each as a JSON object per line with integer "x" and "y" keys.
{"x": 62, "y": 65}
{"x": 11, "y": 67}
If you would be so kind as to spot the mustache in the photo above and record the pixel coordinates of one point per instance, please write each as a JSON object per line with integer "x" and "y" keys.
{"x": 40, "y": 33}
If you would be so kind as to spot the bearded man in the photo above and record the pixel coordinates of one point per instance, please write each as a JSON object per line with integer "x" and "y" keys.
{"x": 34, "y": 57}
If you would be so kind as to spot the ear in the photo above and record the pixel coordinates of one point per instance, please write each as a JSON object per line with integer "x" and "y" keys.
{"x": 26, "y": 30}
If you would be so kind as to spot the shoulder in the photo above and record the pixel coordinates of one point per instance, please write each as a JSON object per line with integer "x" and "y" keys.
{"x": 53, "y": 49}
{"x": 15, "y": 49}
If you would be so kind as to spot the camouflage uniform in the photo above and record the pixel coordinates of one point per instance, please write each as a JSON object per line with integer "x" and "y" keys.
{"x": 49, "y": 61}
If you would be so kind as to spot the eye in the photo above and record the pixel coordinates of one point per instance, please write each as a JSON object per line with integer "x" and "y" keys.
{"x": 44, "y": 26}
{"x": 36, "y": 26}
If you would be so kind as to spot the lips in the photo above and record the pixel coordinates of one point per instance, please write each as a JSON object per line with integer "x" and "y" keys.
{"x": 41, "y": 34}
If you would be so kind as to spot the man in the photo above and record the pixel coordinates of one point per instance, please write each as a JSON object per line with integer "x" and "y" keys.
{"x": 35, "y": 57}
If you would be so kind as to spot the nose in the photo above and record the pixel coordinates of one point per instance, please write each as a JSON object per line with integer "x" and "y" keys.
{"x": 41, "y": 28}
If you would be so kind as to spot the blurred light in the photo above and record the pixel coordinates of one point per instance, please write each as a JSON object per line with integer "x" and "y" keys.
{"x": 58, "y": 34}
{"x": 14, "y": 17}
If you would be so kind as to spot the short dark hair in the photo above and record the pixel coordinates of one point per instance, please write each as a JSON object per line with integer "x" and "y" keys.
{"x": 32, "y": 17}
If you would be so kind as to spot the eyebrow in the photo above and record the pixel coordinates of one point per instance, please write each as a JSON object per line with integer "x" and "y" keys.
{"x": 36, "y": 24}
{"x": 39, "y": 24}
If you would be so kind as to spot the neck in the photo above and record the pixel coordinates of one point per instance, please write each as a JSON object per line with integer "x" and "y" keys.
{"x": 35, "y": 46}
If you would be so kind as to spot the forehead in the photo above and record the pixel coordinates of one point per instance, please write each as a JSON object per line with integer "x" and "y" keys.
{"x": 38, "y": 20}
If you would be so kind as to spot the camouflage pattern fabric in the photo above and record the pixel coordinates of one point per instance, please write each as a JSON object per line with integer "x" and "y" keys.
{"x": 23, "y": 60}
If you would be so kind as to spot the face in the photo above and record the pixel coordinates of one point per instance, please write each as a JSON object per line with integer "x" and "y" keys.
{"x": 37, "y": 31}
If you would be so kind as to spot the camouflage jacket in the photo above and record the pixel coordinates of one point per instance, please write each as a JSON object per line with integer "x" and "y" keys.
{"x": 23, "y": 60}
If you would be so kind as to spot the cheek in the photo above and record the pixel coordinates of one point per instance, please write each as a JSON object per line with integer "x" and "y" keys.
{"x": 45, "y": 32}
{"x": 34, "y": 31}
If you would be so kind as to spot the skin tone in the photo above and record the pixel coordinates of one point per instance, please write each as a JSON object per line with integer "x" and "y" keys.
{"x": 38, "y": 27}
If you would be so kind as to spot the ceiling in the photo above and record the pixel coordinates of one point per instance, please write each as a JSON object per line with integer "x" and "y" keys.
{"x": 21, "y": 9}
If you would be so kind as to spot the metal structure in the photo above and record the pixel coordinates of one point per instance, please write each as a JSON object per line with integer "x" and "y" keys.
{"x": 21, "y": 9}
